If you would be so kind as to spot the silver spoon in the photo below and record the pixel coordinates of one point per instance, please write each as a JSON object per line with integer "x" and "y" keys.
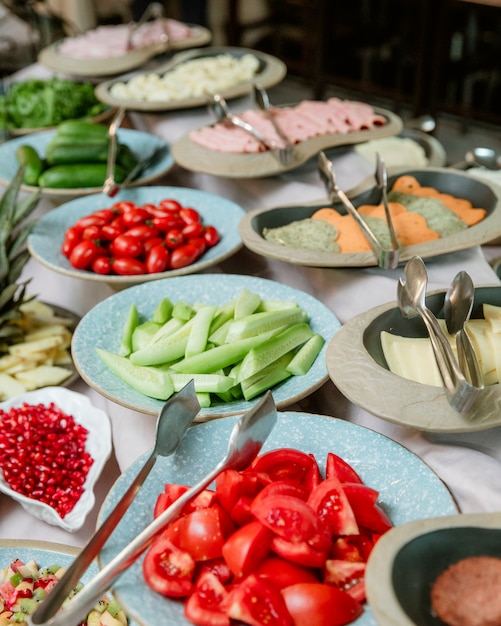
{"x": 424, "y": 123}
{"x": 246, "y": 440}
{"x": 484, "y": 157}
{"x": 176, "y": 416}
{"x": 458, "y": 304}
{"x": 411, "y": 298}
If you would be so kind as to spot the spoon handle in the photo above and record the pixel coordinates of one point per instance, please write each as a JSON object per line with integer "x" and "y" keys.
{"x": 468, "y": 360}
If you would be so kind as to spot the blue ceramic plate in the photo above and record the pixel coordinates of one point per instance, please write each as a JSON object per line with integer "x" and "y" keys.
{"x": 44, "y": 553}
{"x": 408, "y": 489}
{"x": 102, "y": 327}
{"x": 142, "y": 144}
{"x": 46, "y": 239}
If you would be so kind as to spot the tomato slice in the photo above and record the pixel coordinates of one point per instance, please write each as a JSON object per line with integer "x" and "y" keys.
{"x": 330, "y": 502}
{"x": 344, "y": 574}
{"x": 218, "y": 567}
{"x": 369, "y": 514}
{"x": 203, "y": 607}
{"x": 202, "y": 533}
{"x": 284, "y": 464}
{"x": 168, "y": 570}
{"x": 173, "y": 491}
{"x": 282, "y": 487}
{"x": 231, "y": 485}
{"x": 337, "y": 467}
{"x": 301, "y": 553}
{"x": 287, "y": 516}
{"x": 246, "y": 548}
{"x": 283, "y": 573}
{"x": 254, "y": 602}
{"x": 316, "y": 604}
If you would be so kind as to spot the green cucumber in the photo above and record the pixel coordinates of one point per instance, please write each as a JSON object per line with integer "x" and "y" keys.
{"x": 204, "y": 399}
{"x": 257, "y": 323}
{"x": 77, "y": 153}
{"x": 246, "y": 303}
{"x": 130, "y": 325}
{"x": 204, "y": 383}
{"x": 153, "y": 382}
{"x": 197, "y": 341}
{"x": 142, "y": 336}
{"x": 82, "y": 129}
{"x": 183, "y": 310}
{"x": 267, "y": 378}
{"x": 263, "y": 355}
{"x": 77, "y": 175}
{"x": 166, "y": 330}
{"x": 28, "y": 157}
{"x": 306, "y": 355}
{"x": 165, "y": 351}
{"x": 220, "y": 356}
{"x": 163, "y": 311}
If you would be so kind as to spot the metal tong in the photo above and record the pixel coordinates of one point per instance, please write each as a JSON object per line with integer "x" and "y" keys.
{"x": 263, "y": 104}
{"x": 411, "y": 298}
{"x": 219, "y": 107}
{"x": 109, "y": 183}
{"x": 155, "y": 10}
{"x": 387, "y": 258}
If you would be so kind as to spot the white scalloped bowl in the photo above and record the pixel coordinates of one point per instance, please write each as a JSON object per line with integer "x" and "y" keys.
{"x": 98, "y": 445}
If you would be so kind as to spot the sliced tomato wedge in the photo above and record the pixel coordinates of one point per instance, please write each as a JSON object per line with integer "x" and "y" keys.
{"x": 288, "y": 517}
{"x": 284, "y": 464}
{"x": 337, "y": 467}
{"x": 343, "y": 574}
{"x": 283, "y": 573}
{"x": 246, "y": 548}
{"x": 301, "y": 553}
{"x": 231, "y": 485}
{"x": 203, "y": 606}
{"x": 331, "y": 504}
{"x": 352, "y": 548}
{"x": 218, "y": 567}
{"x": 369, "y": 514}
{"x": 316, "y": 604}
{"x": 168, "y": 570}
{"x": 202, "y": 533}
{"x": 256, "y": 603}
{"x": 280, "y": 488}
{"x": 172, "y": 491}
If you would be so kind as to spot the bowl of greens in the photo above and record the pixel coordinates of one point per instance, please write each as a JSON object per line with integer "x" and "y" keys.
{"x": 37, "y": 104}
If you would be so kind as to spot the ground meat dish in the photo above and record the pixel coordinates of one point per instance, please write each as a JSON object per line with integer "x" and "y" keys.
{"x": 468, "y": 593}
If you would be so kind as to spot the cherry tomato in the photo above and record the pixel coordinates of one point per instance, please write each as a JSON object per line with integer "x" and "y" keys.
{"x": 244, "y": 549}
{"x": 66, "y": 248}
{"x": 199, "y": 243}
{"x": 183, "y": 256}
{"x": 189, "y": 215}
{"x": 111, "y": 231}
{"x": 126, "y": 246}
{"x": 92, "y": 232}
{"x": 157, "y": 259}
{"x": 168, "y": 204}
{"x": 151, "y": 243}
{"x": 83, "y": 254}
{"x": 123, "y": 206}
{"x": 168, "y": 570}
{"x": 211, "y": 235}
{"x": 174, "y": 238}
{"x": 167, "y": 222}
{"x": 106, "y": 214}
{"x": 204, "y": 606}
{"x": 316, "y": 604}
{"x": 90, "y": 220}
{"x": 128, "y": 266}
{"x": 193, "y": 229}
{"x": 137, "y": 215}
{"x": 102, "y": 265}
{"x": 73, "y": 235}
{"x": 142, "y": 232}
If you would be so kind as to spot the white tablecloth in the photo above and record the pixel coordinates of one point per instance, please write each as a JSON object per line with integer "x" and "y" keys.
{"x": 472, "y": 477}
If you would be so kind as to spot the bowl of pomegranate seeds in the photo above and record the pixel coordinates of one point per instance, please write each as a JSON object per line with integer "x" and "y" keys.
{"x": 53, "y": 446}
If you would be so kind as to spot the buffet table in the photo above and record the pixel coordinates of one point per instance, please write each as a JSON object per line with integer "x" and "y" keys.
{"x": 471, "y": 476}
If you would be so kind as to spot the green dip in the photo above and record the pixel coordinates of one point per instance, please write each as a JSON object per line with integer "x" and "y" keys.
{"x": 307, "y": 234}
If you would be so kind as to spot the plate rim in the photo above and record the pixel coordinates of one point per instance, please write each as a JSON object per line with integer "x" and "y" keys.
{"x": 117, "y": 281}
{"x": 409, "y": 400}
{"x": 275, "y": 71}
{"x": 195, "y": 157}
{"x": 483, "y": 232}
{"x": 222, "y": 410}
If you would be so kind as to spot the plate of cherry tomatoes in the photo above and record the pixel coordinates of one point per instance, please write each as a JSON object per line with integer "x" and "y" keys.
{"x": 143, "y": 234}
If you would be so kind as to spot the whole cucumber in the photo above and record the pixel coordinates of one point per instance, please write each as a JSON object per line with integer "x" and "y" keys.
{"x": 57, "y": 154}
{"x": 82, "y": 129}
{"x": 33, "y": 164}
{"x": 78, "y": 175}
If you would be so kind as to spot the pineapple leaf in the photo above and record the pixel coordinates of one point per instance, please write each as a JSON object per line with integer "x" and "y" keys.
{"x": 7, "y": 296}
{"x": 8, "y": 203}
{"x": 17, "y": 265}
{"x": 25, "y": 207}
{"x": 20, "y": 240}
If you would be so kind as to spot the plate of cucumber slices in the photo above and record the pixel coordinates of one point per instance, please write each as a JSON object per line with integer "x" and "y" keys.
{"x": 271, "y": 323}
{"x": 72, "y": 175}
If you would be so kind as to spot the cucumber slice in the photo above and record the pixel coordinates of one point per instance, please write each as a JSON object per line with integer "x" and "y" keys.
{"x": 183, "y": 311}
{"x": 204, "y": 383}
{"x": 204, "y": 399}
{"x": 163, "y": 311}
{"x": 170, "y": 349}
{"x": 153, "y": 382}
{"x": 246, "y": 303}
{"x": 130, "y": 324}
{"x": 267, "y": 378}
{"x": 197, "y": 341}
{"x": 258, "y": 323}
{"x": 263, "y": 355}
{"x": 306, "y": 355}
{"x": 142, "y": 335}
{"x": 168, "y": 329}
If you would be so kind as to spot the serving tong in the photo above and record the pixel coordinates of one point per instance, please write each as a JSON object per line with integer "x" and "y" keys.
{"x": 153, "y": 10}
{"x": 245, "y": 442}
{"x": 109, "y": 183}
{"x": 222, "y": 113}
{"x": 387, "y": 258}
{"x": 262, "y": 102}
{"x": 411, "y": 299}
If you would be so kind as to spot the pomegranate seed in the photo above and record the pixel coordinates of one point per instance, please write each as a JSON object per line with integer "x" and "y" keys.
{"x": 43, "y": 456}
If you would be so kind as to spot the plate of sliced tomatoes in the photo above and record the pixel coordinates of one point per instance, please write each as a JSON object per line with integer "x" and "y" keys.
{"x": 268, "y": 532}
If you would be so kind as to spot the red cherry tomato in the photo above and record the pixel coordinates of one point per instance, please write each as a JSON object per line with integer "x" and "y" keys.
{"x": 151, "y": 243}
{"x": 102, "y": 265}
{"x": 189, "y": 215}
{"x": 211, "y": 235}
{"x": 168, "y": 570}
{"x": 199, "y": 243}
{"x": 168, "y": 204}
{"x": 73, "y": 235}
{"x": 111, "y": 231}
{"x": 157, "y": 259}
{"x": 90, "y": 220}
{"x": 83, "y": 254}
{"x": 167, "y": 222}
{"x": 137, "y": 215}
{"x": 92, "y": 232}
{"x": 174, "y": 238}
{"x": 123, "y": 206}
{"x": 316, "y": 604}
{"x": 106, "y": 214}
{"x": 128, "y": 266}
{"x": 193, "y": 229}
{"x": 183, "y": 256}
{"x": 142, "y": 231}
{"x": 126, "y": 246}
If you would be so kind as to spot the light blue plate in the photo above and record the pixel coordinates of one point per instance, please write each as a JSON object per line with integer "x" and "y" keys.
{"x": 47, "y": 237}
{"x": 408, "y": 489}
{"x": 141, "y": 144}
{"x": 102, "y": 328}
{"x": 44, "y": 553}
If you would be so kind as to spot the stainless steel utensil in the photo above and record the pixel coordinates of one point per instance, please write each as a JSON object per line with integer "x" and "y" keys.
{"x": 219, "y": 107}
{"x": 411, "y": 299}
{"x": 484, "y": 157}
{"x": 382, "y": 184}
{"x": 155, "y": 10}
{"x": 175, "y": 417}
{"x": 109, "y": 183}
{"x": 142, "y": 165}
{"x": 246, "y": 440}
{"x": 424, "y": 123}
{"x": 458, "y": 304}
{"x": 263, "y": 104}
{"x": 386, "y": 258}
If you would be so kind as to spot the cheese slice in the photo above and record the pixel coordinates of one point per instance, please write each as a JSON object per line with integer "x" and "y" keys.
{"x": 492, "y": 314}
{"x": 412, "y": 358}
